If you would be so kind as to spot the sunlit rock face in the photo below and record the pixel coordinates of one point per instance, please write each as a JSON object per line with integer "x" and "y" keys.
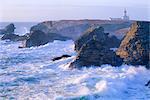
{"x": 95, "y": 50}
{"x": 135, "y": 46}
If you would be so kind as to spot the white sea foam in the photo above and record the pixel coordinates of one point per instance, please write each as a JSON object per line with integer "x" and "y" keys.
{"x": 29, "y": 73}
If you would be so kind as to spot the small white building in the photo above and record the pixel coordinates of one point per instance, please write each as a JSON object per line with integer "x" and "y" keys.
{"x": 124, "y": 18}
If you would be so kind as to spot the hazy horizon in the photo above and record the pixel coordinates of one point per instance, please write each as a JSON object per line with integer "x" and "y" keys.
{"x": 41, "y": 10}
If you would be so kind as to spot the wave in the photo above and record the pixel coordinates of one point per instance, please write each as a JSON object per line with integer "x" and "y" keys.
{"x": 29, "y": 73}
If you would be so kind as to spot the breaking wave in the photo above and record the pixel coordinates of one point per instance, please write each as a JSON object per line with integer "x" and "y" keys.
{"x": 29, "y": 73}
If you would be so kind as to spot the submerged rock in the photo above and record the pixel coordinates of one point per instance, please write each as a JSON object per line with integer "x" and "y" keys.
{"x": 134, "y": 48}
{"x": 58, "y": 58}
{"x": 93, "y": 49}
{"x": 148, "y": 84}
{"x": 37, "y": 38}
{"x": 9, "y": 29}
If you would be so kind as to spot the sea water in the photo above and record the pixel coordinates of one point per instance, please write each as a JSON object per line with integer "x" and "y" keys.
{"x": 30, "y": 74}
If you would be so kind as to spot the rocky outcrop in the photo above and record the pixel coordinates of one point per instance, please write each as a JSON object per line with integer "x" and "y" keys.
{"x": 9, "y": 29}
{"x": 13, "y": 37}
{"x": 37, "y": 38}
{"x": 134, "y": 48}
{"x": 44, "y": 27}
{"x": 8, "y": 34}
{"x": 75, "y": 28}
{"x": 112, "y": 42}
{"x": 94, "y": 50}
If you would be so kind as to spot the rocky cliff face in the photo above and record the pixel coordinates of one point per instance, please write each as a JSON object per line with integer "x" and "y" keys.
{"x": 75, "y": 28}
{"x": 112, "y": 42}
{"x": 93, "y": 49}
{"x": 135, "y": 47}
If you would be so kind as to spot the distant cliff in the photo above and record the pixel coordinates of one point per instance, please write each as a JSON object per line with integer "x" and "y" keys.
{"x": 75, "y": 28}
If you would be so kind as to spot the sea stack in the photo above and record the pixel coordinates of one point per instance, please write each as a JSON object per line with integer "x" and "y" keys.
{"x": 135, "y": 47}
{"x": 94, "y": 49}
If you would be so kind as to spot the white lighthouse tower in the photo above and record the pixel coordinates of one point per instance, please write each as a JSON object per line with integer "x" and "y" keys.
{"x": 125, "y": 17}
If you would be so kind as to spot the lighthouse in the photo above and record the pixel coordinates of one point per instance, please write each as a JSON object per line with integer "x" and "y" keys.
{"x": 125, "y": 17}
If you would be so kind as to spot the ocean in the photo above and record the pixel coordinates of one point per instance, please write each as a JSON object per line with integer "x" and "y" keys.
{"x": 30, "y": 74}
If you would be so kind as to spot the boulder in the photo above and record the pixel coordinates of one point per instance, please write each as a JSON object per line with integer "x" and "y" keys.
{"x": 94, "y": 50}
{"x": 134, "y": 48}
{"x": 37, "y": 38}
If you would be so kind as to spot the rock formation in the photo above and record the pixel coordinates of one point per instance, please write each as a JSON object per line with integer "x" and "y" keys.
{"x": 37, "y": 38}
{"x": 13, "y": 37}
{"x": 8, "y": 33}
{"x": 112, "y": 42}
{"x": 93, "y": 49}
{"x": 75, "y": 28}
{"x": 9, "y": 29}
{"x": 135, "y": 47}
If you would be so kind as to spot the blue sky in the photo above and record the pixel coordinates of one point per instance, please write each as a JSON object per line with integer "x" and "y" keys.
{"x": 40, "y": 10}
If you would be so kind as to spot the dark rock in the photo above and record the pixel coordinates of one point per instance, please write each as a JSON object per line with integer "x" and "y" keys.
{"x": 8, "y": 34}
{"x": 37, "y": 38}
{"x": 148, "y": 83}
{"x": 13, "y": 37}
{"x": 94, "y": 50}
{"x": 9, "y": 29}
{"x": 58, "y": 58}
{"x": 112, "y": 41}
{"x": 134, "y": 48}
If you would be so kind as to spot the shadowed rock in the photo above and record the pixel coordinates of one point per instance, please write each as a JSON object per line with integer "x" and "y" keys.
{"x": 61, "y": 57}
{"x": 8, "y": 34}
{"x": 112, "y": 41}
{"x": 9, "y": 29}
{"x": 37, "y": 38}
{"x": 13, "y": 37}
{"x": 148, "y": 83}
{"x": 134, "y": 48}
{"x": 94, "y": 50}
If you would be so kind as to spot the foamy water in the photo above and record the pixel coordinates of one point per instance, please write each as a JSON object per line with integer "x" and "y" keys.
{"x": 29, "y": 74}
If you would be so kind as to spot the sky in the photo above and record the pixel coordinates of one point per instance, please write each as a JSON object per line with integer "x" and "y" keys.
{"x": 41, "y": 10}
